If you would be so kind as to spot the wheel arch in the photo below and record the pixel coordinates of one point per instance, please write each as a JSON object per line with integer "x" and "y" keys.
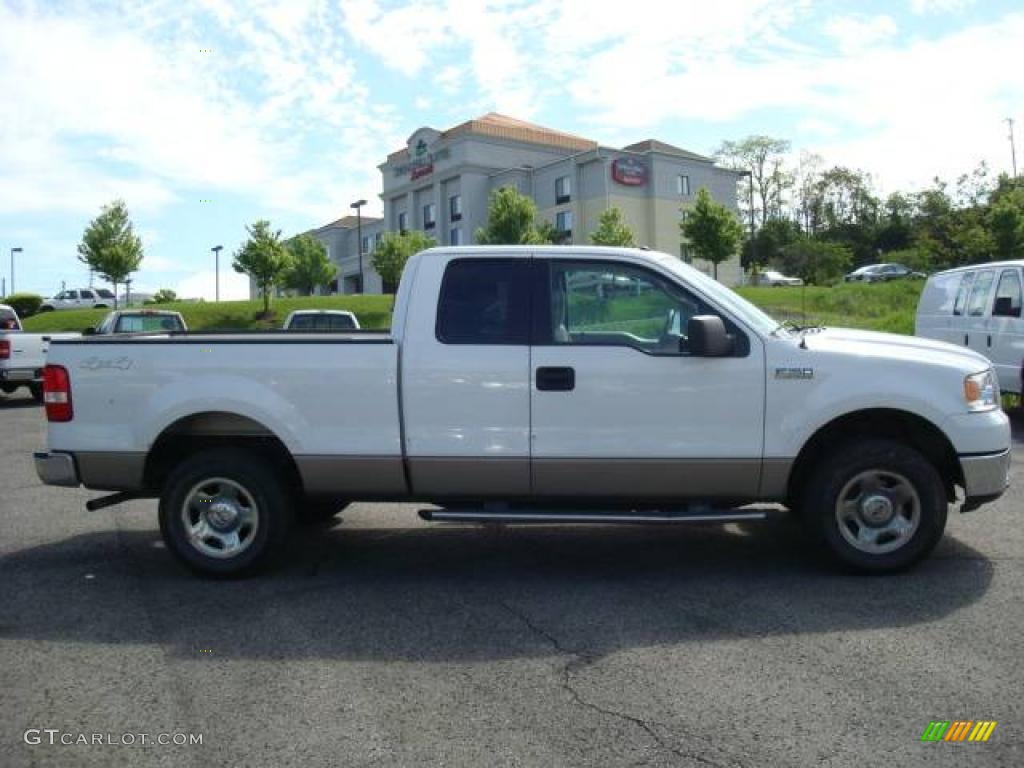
{"x": 215, "y": 429}
{"x": 904, "y": 426}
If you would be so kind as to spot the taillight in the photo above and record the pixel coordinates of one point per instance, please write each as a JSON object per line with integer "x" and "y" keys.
{"x": 5, "y": 349}
{"x": 57, "y": 393}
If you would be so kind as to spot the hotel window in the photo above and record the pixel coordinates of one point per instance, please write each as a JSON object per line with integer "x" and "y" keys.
{"x": 563, "y": 223}
{"x": 403, "y": 221}
{"x": 429, "y": 216}
{"x": 455, "y": 208}
{"x": 455, "y": 236}
{"x": 367, "y": 246}
{"x": 683, "y": 185}
{"x": 563, "y": 190}
{"x": 378, "y": 239}
{"x": 685, "y": 254}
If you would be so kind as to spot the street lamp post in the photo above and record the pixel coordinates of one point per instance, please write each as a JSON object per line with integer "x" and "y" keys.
{"x": 216, "y": 271}
{"x": 750, "y": 205}
{"x": 358, "y": 204}
{"x": 13, "y": 251}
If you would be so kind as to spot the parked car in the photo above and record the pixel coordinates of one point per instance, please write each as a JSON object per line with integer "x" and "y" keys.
{"x": 139, "y": 321}
{"x": 771, "y": 277}
{"x": 321, "y": 320}
{"x": 509, "y": 389}
{"x": 880, "y": 273}
{"x": 979, "y": 307}
{"x": 80, "y": 298}
{"x": 22, "y": 355}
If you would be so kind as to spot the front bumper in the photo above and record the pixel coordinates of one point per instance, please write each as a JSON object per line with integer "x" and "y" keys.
{"x": 56, "y": 469}
{"x": 986, "y": 477}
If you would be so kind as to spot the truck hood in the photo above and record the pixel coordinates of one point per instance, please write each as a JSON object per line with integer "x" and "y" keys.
{"x": 892, "y": 345}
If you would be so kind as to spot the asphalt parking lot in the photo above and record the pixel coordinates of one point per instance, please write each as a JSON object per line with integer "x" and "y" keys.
{"x": 388, "y": 641}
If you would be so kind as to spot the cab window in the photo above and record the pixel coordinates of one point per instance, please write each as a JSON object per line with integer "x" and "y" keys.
{"x": 608, "y": 304}
{"x": 960, "y": 306}
{"x": 485, "y": 301}
{"x": 1008, "y": 295}
{"x": 980, "y": 292}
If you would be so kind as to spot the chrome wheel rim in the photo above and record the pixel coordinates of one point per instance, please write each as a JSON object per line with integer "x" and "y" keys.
{"x": 878, "y": 511}
{"x": 220, "y": 518}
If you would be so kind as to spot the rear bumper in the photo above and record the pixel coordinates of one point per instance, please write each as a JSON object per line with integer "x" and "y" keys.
{"x": 986, "y": 477}
{"x": 57, "y": 469}
{"x": 21, "y": 375}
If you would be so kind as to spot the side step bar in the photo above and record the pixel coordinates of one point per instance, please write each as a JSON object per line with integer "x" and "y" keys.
{"x": 564, "y": 516}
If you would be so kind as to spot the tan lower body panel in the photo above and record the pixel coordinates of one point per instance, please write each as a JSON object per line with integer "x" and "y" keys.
{"x": 647, "y": 478}
{"x": 352, "y": 475}
{"x": 469, "y": 476}
{"x": 775, "y": 478}
{"x": 110, "y": 470}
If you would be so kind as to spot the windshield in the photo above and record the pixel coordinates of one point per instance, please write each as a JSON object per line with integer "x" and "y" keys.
{"x": 729, "y": 300}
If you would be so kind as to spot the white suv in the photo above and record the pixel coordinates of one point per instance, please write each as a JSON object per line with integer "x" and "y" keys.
{"x": 82, "y": 298}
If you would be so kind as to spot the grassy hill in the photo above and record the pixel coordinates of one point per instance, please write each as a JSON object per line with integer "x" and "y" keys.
{"x": 881, "y": 307}
{"x": 372, "y": 311}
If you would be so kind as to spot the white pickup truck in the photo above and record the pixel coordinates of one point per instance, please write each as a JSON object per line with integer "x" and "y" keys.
{"x": 521, "y": 384}
{"x": 23, "y": 355}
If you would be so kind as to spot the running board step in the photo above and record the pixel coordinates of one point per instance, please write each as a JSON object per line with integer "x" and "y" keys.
{"x": 563, "y": 516}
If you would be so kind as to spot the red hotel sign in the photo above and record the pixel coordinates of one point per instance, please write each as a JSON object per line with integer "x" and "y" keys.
{"x": 629, "y": 171}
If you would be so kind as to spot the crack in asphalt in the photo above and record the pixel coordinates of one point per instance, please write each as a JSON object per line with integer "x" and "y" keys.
{"x": 581, "y": 658}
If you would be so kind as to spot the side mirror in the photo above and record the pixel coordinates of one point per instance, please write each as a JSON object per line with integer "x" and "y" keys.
{"x": 1004, "y": 308}
{"x": 707, "y": 337}
{"x": 90, "y": 331}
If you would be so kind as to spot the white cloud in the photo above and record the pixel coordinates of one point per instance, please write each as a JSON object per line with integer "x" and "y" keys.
{"x": 854, "y": 33}
{"x": 202, "y": 285}
{"x": 939, "y": 6}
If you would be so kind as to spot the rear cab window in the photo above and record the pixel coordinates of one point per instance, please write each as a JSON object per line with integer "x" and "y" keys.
{"x": 485, "y": 301}
{"x": 147, "y": 324}
{"x": 9, "y": 321}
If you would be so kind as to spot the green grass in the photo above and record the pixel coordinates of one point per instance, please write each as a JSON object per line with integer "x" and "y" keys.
{"x": 879, "y": 307}
{"x": 372, "y": 311}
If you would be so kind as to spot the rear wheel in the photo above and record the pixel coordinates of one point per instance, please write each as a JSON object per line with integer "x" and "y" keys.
{"x": 878, "y": 505}
{"x": 225, "y": 512}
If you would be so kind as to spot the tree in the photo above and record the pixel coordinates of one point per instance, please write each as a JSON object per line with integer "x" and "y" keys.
{"x": 613, "y": 230}
{"x": 512, "y": 220}
{"x": 110, "y": 246}
{"x": 394, "y": 251}
{"x": 1006, "y": 220}
{"x": 816, "y": 262}
{"x": 309, "y": 267}
{"x": 263, "y": 258}
{"x": 775, "y": 235}
{"x": 764, "y": 158}
{"x": 712, "y": 230}
{"x": 164, "y": 296}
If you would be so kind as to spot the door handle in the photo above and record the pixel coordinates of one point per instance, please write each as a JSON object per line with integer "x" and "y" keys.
{"x": 556, "y": 379}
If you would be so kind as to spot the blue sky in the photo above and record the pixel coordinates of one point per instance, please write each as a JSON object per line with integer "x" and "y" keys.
{"x": 293, "y": 106}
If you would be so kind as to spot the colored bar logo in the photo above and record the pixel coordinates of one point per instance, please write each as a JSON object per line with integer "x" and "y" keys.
{"x": 958, "y": 730}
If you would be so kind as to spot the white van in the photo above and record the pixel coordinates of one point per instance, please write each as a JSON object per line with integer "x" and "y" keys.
{"x": 979, "y": 307}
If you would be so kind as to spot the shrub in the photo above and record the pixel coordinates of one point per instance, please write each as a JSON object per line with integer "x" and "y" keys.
{"x": 25, "y": 304}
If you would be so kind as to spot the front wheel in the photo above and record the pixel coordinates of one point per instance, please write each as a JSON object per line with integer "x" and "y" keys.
{"x": 225, "y": 512}
{"x": 878, "y": 505}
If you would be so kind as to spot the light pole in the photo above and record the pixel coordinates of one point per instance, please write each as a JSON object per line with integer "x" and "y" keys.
{"x": 358, "y": 204}
{"x": 750, "y": 204}
{"x": 216, "y": 271}
{"x": 13, "y": 251}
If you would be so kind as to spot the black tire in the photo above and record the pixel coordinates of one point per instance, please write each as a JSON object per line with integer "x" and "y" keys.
{"x": 874, "y": 468}
{"x": 264, "y": 500}
{"x": 37, "y": 392}
{"x": 313, "y": 510}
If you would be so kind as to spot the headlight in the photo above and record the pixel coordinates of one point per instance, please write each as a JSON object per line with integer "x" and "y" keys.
{"x": 981, "y": 391}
